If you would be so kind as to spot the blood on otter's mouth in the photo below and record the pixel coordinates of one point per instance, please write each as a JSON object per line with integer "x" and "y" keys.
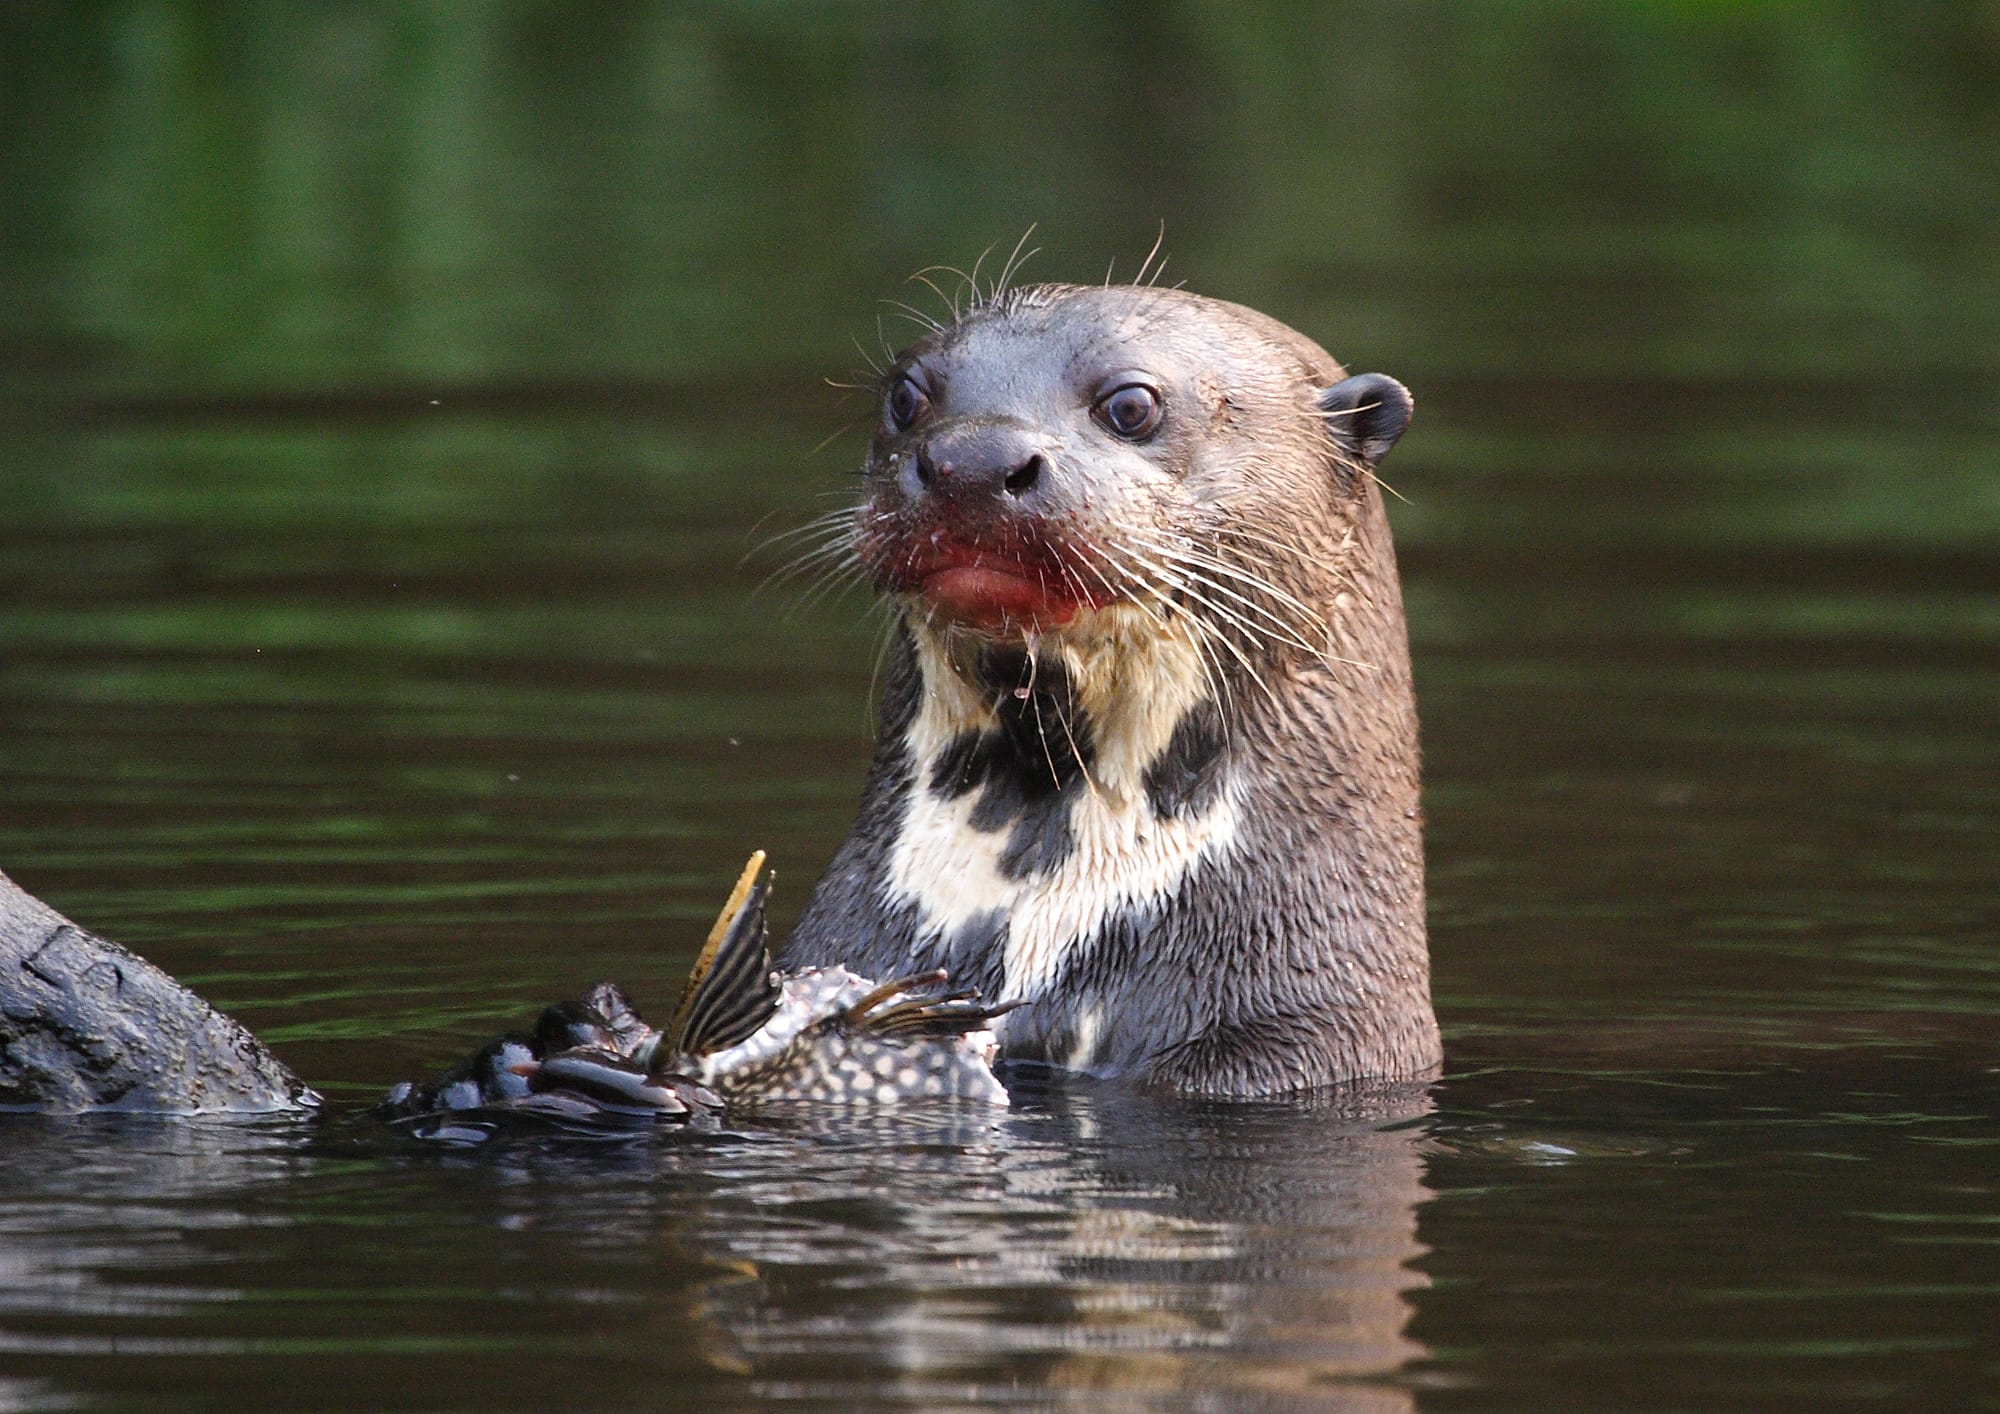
{"x": 979, "y": 594}
{"x": 998, "y": 591}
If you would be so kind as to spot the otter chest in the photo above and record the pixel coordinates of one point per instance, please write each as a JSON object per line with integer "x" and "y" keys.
{"x": 1017, "y": 850}
{"x": 1119, "y": 858}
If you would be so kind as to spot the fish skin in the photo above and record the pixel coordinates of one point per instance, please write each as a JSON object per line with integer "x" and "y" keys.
{"x": 813, "y": 1051}
{"x": 743, "y": 1037}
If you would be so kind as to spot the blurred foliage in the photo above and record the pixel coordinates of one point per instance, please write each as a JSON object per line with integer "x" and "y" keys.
{"x": 1687, "y": 273}
{"x": 209, "y": 197}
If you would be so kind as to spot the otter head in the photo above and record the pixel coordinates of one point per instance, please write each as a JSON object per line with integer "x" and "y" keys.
{"x": 1065, "y": 468}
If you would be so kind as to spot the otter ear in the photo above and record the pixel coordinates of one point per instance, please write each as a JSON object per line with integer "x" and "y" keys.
{"x": 1365, "y": 415}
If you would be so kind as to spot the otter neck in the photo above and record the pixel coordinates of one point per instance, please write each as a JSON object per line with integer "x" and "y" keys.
{"x": 1119, "y": 704}
{"x": 1054, "y": 787}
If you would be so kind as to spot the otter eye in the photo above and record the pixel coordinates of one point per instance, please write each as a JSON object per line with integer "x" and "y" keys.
{"x": 1132, "y": 411}
{"x": 907, "y": 402}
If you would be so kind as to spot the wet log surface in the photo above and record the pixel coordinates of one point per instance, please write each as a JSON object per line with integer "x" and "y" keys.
{"x": 86, "y": 1024}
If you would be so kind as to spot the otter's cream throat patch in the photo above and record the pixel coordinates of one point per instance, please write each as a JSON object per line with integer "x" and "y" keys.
{"x": 1135, "y": 678}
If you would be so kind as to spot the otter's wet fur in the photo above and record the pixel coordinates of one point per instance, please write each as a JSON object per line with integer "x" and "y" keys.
{"x": 1147, "y": 757}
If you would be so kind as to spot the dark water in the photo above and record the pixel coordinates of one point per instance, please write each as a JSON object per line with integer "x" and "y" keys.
{"x": 390, "y": 398}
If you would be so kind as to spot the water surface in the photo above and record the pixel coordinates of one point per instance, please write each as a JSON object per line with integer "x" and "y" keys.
{"x": 394, "y": 396}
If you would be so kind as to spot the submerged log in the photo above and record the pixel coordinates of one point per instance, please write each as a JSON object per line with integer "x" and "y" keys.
{"x": 86, "y": 1024}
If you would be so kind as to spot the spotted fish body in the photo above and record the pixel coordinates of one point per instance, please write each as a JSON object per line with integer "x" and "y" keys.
{"x": 742, "y": 1037}
{"x": 828, "y": 1042}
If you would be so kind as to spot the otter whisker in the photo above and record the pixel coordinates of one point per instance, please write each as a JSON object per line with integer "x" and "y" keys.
{"x": 814, "y": 565}
{"x": 1015, "y": 260}
{"x": 1119, "y": 591}
{"x": 826, "y": 603}
{"x": 758, "y": 525}
{"x": 1187, "y": 554}
{"x": 827, "y": 560}
{"x": 1191, "y": 584}
{"x": 885, "y": 638}
{"x": 867, "y": 357}
{"x": 1151, "y": 312}
{"x": 823, "y": 553}
{"x": 1159, "y": 240}
{"x": 1212, "y": 621}
{"x": 829, "y": 573}
{"x": 1075, "y": 749}
{"x": 968, "y": 284}
{"x": 1212, "y": 672}
{"x": 950, "y": 300}
{"x": 1376, "y": 478}
{"x": 922, "y": 277}
{"x": 808, "y": 540}
{"x": 826, "y": 587}
{"x": 1161, "y": 575}
{"x": 1026, "y": 685}
{"x": 910, "y": 311}
{"x": 1285, "y": 554}
{"x": 1280, "y": 629}
{"x": 972, "y": 280}
{"x": 1032, "y": 642}
{"x": 837, "y": 516}
{"x": 825, "y": 550}
{"x": 836, "y": 528}
{"x": 816, "y": 543}
{"x": 1197, "y": 637}
{"x": 1320, "y": 624}
{"x": 1135, "y": 590}
{"x": 1215, "y": 637}
{"x": 1237, "y": 531}
{"x": 1292, "y": 633}
{"x": 841, "y": 431}
{"x": 1253, "y": 620}
{"x": 1071, "y": 582}
{"x": 1358, "y": 468}
{"x": 1203, "y": 638}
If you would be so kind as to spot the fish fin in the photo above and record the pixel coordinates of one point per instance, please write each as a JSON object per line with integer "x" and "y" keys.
{"x": 729, "y": 993}
{"x": 953, "y": 1014}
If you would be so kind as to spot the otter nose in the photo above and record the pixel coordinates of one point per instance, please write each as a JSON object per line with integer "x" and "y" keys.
{"x": 980, "y": 460}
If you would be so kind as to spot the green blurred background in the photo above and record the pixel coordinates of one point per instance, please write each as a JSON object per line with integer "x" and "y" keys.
{"x": 277, "y": 212}
{"x": 263, "y": 198}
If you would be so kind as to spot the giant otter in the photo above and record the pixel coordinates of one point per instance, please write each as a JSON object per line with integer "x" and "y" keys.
{"x": 1148, "y": 750}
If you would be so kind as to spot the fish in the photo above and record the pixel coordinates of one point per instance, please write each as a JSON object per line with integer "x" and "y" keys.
{"x": 743, "y": 1037}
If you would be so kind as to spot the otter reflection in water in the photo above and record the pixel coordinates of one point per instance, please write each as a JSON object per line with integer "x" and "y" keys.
{"x": 1131, "y": 1250}
{"x": 1088, "y": 1245}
